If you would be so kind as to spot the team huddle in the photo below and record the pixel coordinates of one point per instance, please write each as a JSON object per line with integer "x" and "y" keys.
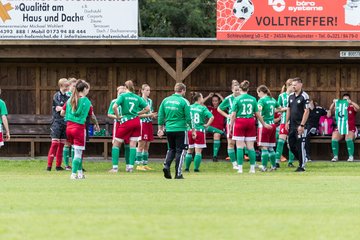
{"x": 266, "y": 122}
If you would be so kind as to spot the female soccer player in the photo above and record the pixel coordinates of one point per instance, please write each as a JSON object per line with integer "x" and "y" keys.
{"x": 115, "y": 152}
{"x": 58, "y": 126}
{"x": 226, "y": 105}
{"x": 147, "y": 130}
{"x": 217, "y": 126}
{"x": 267, "y": 137}
{"x": 243, "y": 127}
{"x": 345, "y": 115}
{"x": 283, "y": 133}
{"x": 76, "y": 110}
{"x": 3, "y": 121}
{"x": 66, "y": 151}
{"x": 132, "y": 106}
{"x": 199, "y": 113}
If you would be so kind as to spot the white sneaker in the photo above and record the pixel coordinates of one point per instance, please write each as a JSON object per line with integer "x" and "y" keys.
{"x": 73, "y": 176}
{"x": 113, "y": 170}
{"x": 350, "y": 159}
{"x": 81, "y": 176}
{"x": 137, "y": 162}
{"x": 262, "y": 168}
{"x": 272, "y": 169}
{"x": 252, "y": 171}
{"x": 236, "y": 167}
{"x": 240, "y": 169}
{"x": 129, "y": 169}
{"x": 335, "y": 158}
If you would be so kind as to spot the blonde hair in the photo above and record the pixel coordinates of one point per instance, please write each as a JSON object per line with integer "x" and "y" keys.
{"x": 286, "y": 85}
{"x": 62, "y": 81}
{"x": 130, "y": 85}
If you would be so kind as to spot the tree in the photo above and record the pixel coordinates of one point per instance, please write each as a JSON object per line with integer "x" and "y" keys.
{"x": 177, "y": 18}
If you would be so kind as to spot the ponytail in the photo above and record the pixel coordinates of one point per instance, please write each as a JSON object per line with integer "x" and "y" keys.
{"x": 264, "y": 89}
{"x": 130, "y": 86}
{"x": 74, "y": 99}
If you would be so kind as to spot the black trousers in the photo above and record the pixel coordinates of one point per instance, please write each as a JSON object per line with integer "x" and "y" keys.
{"x": 310, "y": 132}
{"x": 177, "y": 148}
{"x": 297, "y": 145}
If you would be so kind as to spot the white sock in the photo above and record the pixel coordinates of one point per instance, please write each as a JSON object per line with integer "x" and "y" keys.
{"x": 234, "y": 164}
{"x": 240, "y": 167}
{"x": 80, "y": 172}
{"x": 252, "y": 167}
{"x": 115, "y": 166}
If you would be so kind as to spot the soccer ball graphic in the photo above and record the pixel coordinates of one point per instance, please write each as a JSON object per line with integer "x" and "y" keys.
{"x": 243, "y": 9}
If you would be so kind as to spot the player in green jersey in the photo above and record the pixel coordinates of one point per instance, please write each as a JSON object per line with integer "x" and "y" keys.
{"x": 115, "y": 150}
{"x": 3, "y": 121}
{"x": 147, "y": 131}
{"x": 267, "y": 137}
{"x": 224, "y": 109}
{"x": 132, "y": 106}
{"x": 199, "y": 113}
{"x": 243, "y": 127}
{"x": 174, "y": 114}
{"x": 345, "y": 115}
{"x": 283, "y": 133}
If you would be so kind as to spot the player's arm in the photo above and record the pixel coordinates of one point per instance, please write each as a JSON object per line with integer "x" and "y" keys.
{"x": 356, "y": 106}
{"x": 6, "y": 126}
{"x": 94, "y": 120}
{"x": 287, "y": 118}
{"x": 57, "y": 102}
{"x": 220, "y": 96}
{"x": 208, "y": 96}
{"x": 260, "y": 118}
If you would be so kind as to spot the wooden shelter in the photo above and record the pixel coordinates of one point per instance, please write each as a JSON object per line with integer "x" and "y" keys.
{"x": 29, "y": 70}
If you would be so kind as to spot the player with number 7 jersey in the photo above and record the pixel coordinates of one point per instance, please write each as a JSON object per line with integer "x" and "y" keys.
{"x": 132, "y": 106}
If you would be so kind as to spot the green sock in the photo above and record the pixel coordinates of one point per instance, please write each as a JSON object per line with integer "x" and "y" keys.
{"x": 216, "y": 147}
{"x": 240, "y": 156}
{"x": 335, "y": 147}
{"x": 264, "y": 157}
{"x": 279, "y": 149}
{"x": 66, "y": 155}
{"x": 132, "y": 156}
{"x": 291, "y": 156}
{"x": 115, "y": 152}
{"x": 272, "y": 157}
{"x": 75, "y": 165}
{"x": 350, "y": 147}
{"x": 145, "y": 158}
{"x": 211, "y": 129}
{"x": 252, "y": 156}
{"x": 72, "y": 153}
{"x": 188, "y": 160}
{"x": 246, "y": 151}
{"x": 81, "y": 164}
{"x": 138, "y": 157}
{"x": 231, "y": 153}
{"x": 127, "y": 153}
{"x": 197, "y": 161}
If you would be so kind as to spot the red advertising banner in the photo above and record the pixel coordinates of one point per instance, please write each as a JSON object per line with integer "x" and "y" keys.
{"x": 325, "y": 20}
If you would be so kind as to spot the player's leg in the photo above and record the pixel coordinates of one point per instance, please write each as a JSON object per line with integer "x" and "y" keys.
{"x": 335, "y": 138}
{"x": 349, "y": 138}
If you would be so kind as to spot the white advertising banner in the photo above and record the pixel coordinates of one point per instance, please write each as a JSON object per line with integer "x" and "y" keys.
{"x": 68, "y": 19}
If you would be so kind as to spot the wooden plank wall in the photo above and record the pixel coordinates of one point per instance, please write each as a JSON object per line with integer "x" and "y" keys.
{"x": 28, "y": 89}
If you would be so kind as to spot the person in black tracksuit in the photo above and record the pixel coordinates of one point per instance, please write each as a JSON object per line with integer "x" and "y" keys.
{"x": 296, "y": 118}
{"x": 312, "y": 126}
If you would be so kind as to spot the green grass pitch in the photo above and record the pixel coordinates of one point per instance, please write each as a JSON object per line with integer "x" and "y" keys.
{"x": 218, "y": 203}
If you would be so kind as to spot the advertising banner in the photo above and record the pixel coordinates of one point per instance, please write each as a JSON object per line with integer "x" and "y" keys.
{"x": 325, "y": 20}
{"x": 68, "y": 19}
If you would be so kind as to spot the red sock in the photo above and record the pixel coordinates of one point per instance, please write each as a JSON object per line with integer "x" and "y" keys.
{"x": 59, "y": 154}
{"x": 52, "y": 151}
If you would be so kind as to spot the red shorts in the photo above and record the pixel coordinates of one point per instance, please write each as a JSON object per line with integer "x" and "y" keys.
{"x": 1, "y": 137}
{"x": 129, "y": 130}
{"x": 76, "y": 135}
{"x": 267, "y": 137}
{"x": 228, "y": 132}
{"x": 244, "y": 130}
{"x": 147, "y": 131}
{"x": 199, "y": 141}
{"x": 116, "y": 125}
{"x": 283, "y": 129}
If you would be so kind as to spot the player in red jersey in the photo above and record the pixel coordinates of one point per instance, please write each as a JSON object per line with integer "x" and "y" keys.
{"x": 218, "y": 125}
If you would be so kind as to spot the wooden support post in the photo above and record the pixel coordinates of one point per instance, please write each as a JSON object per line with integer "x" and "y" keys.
{"x": 106, "y": 150}
{"x": 196, "y": 63}
{"x": 162, "y": 62}
{"x": 179, "y": 65}
{"x": 37, "y": 90}
{"x": 32, "y": 149}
